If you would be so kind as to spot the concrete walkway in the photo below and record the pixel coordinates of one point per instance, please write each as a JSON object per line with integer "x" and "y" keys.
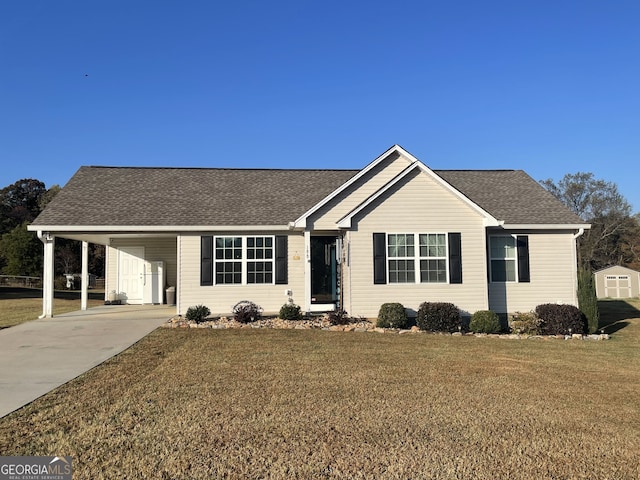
{"x": 38, "y": 356}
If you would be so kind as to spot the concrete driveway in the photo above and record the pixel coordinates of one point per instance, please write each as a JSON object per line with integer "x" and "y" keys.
{"x": 38, "y": 356}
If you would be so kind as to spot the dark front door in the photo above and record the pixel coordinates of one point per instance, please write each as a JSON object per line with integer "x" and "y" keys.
{"x": 325, "y": 278}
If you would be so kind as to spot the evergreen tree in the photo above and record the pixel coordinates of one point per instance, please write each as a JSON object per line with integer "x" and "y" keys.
{"x": 587, "y": 300}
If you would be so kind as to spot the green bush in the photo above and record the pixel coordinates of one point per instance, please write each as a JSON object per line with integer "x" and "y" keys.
{"x": 290, "y": 311}
{"x": 485, "y": 321}
{"x": 587, "y": 299}
{"x": 438, "y": 317}
{"x": 247, "y": 312}
{"x": 525, "y": 323}
{"x": 559, "y": 319}
{"x": 392, "y": 315}
{"x": 198, "y": 313}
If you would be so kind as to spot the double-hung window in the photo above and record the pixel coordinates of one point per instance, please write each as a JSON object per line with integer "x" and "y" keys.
{"x": 244, "y": 260}
{"x": 503, "y": 258}
{"x": 429, "y": 258}
{"x": 509, "y": 258}
{"x": 433, "y": 258}
{"x": 260, "y": 259}
{"x": 228, "y": 263}
{"x": 402, "y": 265}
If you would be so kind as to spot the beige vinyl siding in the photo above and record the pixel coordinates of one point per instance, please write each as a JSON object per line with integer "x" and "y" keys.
{"x": 417, "y": 205}
{"x": 155, "y": 249}
{"x": 221, "y": 298}
{"x": 553, "y": 275}
{"x": 326, "y": 217}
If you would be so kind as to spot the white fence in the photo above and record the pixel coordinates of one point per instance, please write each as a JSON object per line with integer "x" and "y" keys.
{"x": 20, "y": 281}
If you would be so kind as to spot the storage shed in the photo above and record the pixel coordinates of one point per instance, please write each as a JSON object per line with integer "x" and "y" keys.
{"x": 617, "y": 282}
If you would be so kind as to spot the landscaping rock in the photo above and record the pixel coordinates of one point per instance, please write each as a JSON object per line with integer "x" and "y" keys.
{"x": 323, "y": 323}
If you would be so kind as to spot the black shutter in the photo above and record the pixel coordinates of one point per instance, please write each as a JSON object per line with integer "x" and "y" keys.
{"x": 282, "y": 269}
{"x": 206, "y": 260}
{"x": 522, "y": 242}
{"x": 455, "y": 258}
{"x": 379, "y": 258}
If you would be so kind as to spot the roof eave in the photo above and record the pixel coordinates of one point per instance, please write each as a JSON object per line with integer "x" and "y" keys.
{"x": 546, "y": 226}
{"x": 154, "y": 228}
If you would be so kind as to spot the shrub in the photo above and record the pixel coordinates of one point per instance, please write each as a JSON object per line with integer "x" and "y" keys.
{"x": 339, "y": 317}
{"x": 198, "y": 313}
{"x": 438, "y": 317}
{"x": 246, "y": 312}
{"x": 558, "y": 319}
{"x": 290, "y": 311}
{"x": 525, "y": 323}
{"x": 60, "y": 283}
{"x": 392, "y": 315}
{"x": 485, "y": 321}
{"x": 587, "y": 299}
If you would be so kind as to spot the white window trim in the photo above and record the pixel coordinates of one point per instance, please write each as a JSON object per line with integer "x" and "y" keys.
{"x": 416, "y": 258}
{"x": 244, "y": 261}
{"x": 514, "y": 259}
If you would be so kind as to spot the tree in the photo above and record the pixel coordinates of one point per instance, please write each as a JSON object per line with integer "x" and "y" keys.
{"x": 599, "y": 203}
{"x": 48, "y": 196}
{"x": 587, "y": 299}
{"x": 22, "y": 252}
{"x": 66, "y": 257}
{"x": 96, "y": 259}
{"x": 20, "y": 203}
{"x": 630, "y": 244}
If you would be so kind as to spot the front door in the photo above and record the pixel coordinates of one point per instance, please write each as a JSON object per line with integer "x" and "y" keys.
{"x": 325, "y": 274}
{"x": 131, "y": 274}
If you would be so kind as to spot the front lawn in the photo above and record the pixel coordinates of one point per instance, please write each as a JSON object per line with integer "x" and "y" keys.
{"x": 19, "y": 305}
{"x": 198, "y": 403}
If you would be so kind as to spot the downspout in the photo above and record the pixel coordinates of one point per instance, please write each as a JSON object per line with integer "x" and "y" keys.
{"x": 575, "y": 237}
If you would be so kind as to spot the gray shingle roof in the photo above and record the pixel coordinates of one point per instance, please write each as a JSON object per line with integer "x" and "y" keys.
{"x": 143, "y": 196}
{"x": 510, "y": 195}
{"x": 129, "y": 196}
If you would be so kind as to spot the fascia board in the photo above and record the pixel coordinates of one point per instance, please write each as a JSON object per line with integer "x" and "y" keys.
{"x": 301, "y": 222}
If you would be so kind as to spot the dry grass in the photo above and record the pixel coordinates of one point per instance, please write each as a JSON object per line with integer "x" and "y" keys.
{"x": 315, "y": 404}
{"x": 19, "y": 305}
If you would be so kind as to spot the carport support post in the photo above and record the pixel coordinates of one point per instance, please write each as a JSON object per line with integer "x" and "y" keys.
{"x": 85, "y": 276}
{"x": 48, "y": 241}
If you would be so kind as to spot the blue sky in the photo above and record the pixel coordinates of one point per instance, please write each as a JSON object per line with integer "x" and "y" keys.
{"x": 550, "y": 87}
